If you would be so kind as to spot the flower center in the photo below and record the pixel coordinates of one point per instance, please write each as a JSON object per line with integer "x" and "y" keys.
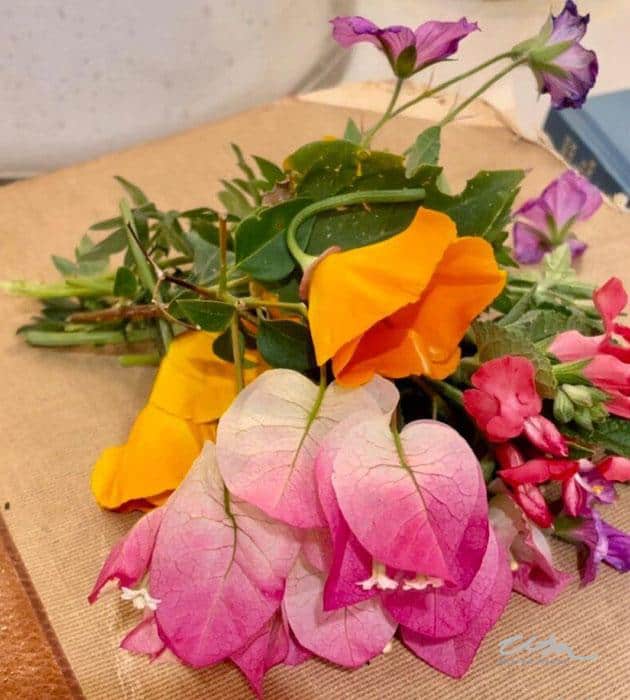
{"x": 141, "y": 598}
{"x": 378, "y": 579}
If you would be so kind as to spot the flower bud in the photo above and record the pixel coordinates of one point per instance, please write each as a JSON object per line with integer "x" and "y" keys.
{"x": 580, "y": 395}
{"x": 583, "y": 418}
{"x": 563, "y": 408}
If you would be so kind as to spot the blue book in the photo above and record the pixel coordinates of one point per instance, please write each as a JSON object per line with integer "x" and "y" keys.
{"x": 595, "y": 140}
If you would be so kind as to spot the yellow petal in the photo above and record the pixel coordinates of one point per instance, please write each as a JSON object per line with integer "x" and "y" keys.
{"x": 193, "y": 383}
{"x": 160, "y": 449}
{"x": 353, "y": 290}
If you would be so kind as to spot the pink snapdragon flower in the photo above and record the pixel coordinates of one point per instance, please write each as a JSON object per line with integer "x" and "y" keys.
{"x": 407, "y": 51}
{"x": 505, "y": 404}
{"x": 547, "y": 220}
{"x": 609, "y": 353}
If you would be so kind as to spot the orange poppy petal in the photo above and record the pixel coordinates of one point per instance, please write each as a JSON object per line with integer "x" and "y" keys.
{"x": 353, "y": 290}
{"x": 158, "y": 454}
{"x": 465, "y": 282}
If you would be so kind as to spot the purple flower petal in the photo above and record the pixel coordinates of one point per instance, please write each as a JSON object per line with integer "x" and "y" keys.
{"x": 436, "y": 41}
{"x": 529, "y": 245}
{"x": 351, "y": 30}
{"x": 569, "y": 198}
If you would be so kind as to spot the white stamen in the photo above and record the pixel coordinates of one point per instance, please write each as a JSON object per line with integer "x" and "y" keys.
{"x": 379, "y": 578}
{"x": 140, "y": 598}
{"x": 388, "y": 647}
{"x": 420, "y": 582}
{"x": 513, "y": 564}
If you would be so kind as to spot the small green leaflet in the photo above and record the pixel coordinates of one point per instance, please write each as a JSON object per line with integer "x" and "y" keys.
{"x": 352, "y": 132}
{"x": 125, "y": 283}
{"x": 138, "y": 197}
{"x": 425, "y": 151}
{"x": 213, "y": 316}
{"x": 497, "y": 341}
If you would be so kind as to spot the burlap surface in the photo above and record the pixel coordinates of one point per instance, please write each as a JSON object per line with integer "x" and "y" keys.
{"x": 59, "y": 409}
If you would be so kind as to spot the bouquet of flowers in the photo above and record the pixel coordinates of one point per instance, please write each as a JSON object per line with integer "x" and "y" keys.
{"x": 368, "y": 419}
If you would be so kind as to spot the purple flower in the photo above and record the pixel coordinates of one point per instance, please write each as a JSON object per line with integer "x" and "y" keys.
{"x": 407, "y": 51}
{"x": 600, "y": 542}
{"x": 545, "y": 221}
{"x": 564, "y": 68}
{"x": 586, "y": 487}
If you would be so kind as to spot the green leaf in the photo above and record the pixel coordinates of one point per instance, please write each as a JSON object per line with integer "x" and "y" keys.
{"x": 114, "y": 243}
{"x": 286, "y": 344}
{"x": 206, "y": 259}
{"x": 358, "y": 226}
{"x": 234, "y": 201}
{"x": 207, "y": 314}
{"x": 222, "y": 348}
{"x": 125, "y": 283}
{"x": 425, "y": 150}
{"x": 541, "y": 326}
{"x": 352, "y": 132}
{"x": 171, "y": 233}
{"x": 557, "y": 265}
{"x": 323, "y": 168}
{"x": 613, "y": 434}
{"x": 138, "y": 197}
{"x": 496, "y": 341}
{"x": 270, "y": 171}
{"x": 65, "y": 267}
{"x": 483, "y": 208}
{"x": 260, "y": 241}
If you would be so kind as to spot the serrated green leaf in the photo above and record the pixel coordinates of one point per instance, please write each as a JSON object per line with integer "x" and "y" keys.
{"x": 352, "y": 132}
{"x": 497, "y": 341}
{"x": 260, "y": 241}
{"x": 125, "y": 283}
{"x": 543, "y": 325}
{"x": 424, "y": 151}
{"x": 483, "y": 207}
{"x": 286, "y": 344}
{"x": 209, "y": 315}
{"x": 613, "y": 434}
{"x": 138, "y": 197}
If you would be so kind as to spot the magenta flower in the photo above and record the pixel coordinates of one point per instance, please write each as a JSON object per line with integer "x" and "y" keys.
{"x": 407, "y": 51}
{"x": 546, "y": 221}
{"x": 505, "y": 404}
{"x": 609, "y": 353}
{"x": 599, "y": 542}
{"x": 562, "y": 66}
{"x": 535, "y": 575}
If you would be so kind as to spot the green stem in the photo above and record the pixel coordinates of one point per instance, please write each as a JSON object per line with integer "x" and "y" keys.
{"x": 150, "y": 359}
{"x": 174, "y": 262}
{"x": 448, "y": 83}
{"x": 223, "y": 243}
{"x": 254, "y": 303}
{"x": 60, "y": 339}
{"x": 501, "y": 74}
{"x": 71, "y": 287}
{"x": 237, "y": 353}
{"x": 342, "y": 200}
{"x": 447, "y": 390}
{"x": 145, "y": 273}
{"x": 367, "y": 138}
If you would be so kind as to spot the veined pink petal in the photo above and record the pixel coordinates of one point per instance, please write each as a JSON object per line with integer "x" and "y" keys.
{"x": 144, "y": 639}
{"x": 533, "y": 503}
{"x": 409, "y": 504}
{"x": 268, "y": 439}
{"x": 267, "y": 648}
{"x": 351, "y": 562}
{"x": 544, "y": 435}
{"x": 572, "y": 345}
{"x": 492, "y": 585}
{"x": 348, "y": 636}
{"x": 537, "y": 471}
{"x": 129, "y": 559}
{"x": 219, "y": 567}
{"x": 610, "y": 300}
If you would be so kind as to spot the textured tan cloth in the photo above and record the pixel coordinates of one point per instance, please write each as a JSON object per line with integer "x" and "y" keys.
{"x": 60, "y": 409}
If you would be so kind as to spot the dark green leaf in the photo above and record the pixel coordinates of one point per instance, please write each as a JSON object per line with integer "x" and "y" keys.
{"x": 323, "y": 168}
{"x": 286, "y": 344}
{"x": 207, "y": 314}
{"x": 613, "y": 434}
{"x": 125, "y": 283}
{"x": 483, "y": 208}
{"x": 222, "y": 348}
{"x": 496, "y": 341}
{"x": 260, "y": 241}
{"x": 352, "y": 132}
{"x": 425, "y": 150}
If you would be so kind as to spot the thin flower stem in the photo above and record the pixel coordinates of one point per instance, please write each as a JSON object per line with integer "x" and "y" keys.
{"x": 223, "y": 241}
{"x": 343, "y": 200}
{"x": 237, "y": 354}
{"x": 501, "y": 74}
{"x": 448, "y": 83}
{"x": 61, "y": 339}
{"x": 174, "y": 262}
{"x": 447, "y": 390}
{"x": 116, "y": 313}
{"x": 367, "y": 138}
{"x": 253, "y": 303}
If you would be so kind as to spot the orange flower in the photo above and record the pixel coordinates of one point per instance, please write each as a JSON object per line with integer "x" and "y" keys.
{"x": 193, "y": 388}
{"x": 401, "y": 306}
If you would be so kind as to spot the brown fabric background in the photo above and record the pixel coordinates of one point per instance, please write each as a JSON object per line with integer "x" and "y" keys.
{"x": 59, "y": 409}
